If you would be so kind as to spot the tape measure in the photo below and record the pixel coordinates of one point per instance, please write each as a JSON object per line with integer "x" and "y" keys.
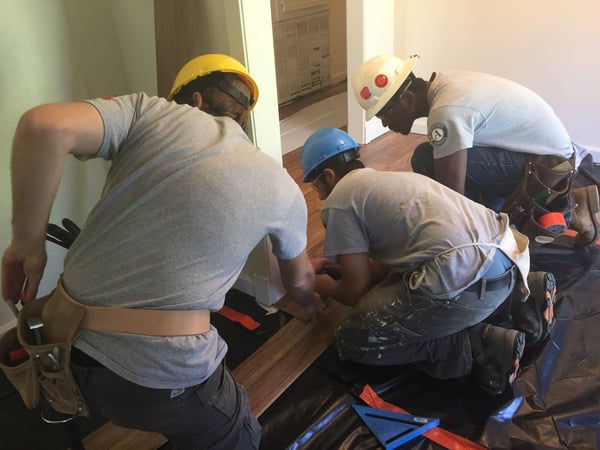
{"x": 554, "y": 222}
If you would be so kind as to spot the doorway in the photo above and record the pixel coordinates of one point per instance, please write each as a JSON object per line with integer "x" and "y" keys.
{"x": 310, "y": 62}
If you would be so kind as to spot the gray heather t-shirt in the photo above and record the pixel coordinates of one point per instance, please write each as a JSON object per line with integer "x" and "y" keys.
{"x": 410, "y": 222}
{"x": 477, "y": 109}
{"x": 187, "y": 198}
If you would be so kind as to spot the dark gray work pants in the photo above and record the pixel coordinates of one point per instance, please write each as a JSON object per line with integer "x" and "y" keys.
{"x": 212, "y": 415}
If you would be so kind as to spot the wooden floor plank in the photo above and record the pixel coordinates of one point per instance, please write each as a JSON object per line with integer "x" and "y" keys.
{"x": 270, "y": 370}
{"x": 113, "y": 437}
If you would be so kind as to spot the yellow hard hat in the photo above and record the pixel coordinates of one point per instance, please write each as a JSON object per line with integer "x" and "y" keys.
{"x": 214, "y": 62}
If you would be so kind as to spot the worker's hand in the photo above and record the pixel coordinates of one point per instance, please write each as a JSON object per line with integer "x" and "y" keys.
{"x": 313, "y": 308}
{"x": 323, "y": 266}
{"x": 21, "y": 274}
{"x": 319, "y": 263}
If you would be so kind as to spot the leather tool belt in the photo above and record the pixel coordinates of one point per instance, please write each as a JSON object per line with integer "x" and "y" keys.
{"x": 36, "y": 354}
{"x": 545, "y": 189}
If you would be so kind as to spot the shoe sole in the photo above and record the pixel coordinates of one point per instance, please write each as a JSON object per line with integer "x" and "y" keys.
{"x": 550, "y": 298}
{"x": 593, "y": 199}
{"x": 518, "y": 347}
{"x": 547, "y": 295}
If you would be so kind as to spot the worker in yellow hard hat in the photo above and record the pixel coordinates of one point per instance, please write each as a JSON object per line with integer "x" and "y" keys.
{"x": 187, "y": 198}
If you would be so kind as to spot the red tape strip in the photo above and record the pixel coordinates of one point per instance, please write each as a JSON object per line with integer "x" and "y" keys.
{"x": 236, "y": 316}
{"x": 442, "y": 437}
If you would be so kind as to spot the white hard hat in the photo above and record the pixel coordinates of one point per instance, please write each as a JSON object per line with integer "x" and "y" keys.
{"x": 377, "y": 80}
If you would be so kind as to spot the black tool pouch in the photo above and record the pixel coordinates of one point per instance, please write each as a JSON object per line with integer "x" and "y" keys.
{"x": 47, "y": 370}
{"x": 545, "y": 188}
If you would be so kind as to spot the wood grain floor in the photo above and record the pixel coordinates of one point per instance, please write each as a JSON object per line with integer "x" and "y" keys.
{"x": 268, "y": 372}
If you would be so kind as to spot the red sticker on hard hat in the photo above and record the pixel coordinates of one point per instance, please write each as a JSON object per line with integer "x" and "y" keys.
{"x": 365, "y": 93}
{"x": 381, "y": 80}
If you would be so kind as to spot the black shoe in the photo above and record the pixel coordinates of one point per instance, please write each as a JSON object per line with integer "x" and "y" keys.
{"x": 535, "y": 316}
{"x": 497, "y": 353}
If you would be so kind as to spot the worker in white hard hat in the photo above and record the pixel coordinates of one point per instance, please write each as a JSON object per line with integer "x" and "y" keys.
{"x": 423, "y": 289}
{"x": 491, "y": 139}
{"x": 186, "y": 200}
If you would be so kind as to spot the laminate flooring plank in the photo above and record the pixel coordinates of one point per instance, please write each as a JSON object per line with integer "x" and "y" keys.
{"x": 113, "y": 437}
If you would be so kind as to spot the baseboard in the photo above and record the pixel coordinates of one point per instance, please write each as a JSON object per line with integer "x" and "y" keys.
{"x": 330, "y": 112}
{"x": 266, "y": 292}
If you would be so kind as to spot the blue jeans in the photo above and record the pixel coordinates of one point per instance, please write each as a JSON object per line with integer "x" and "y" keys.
{"x": 393, "y": 325}
{"x": 492, "y": 173}
{"x": 212, "y": 415}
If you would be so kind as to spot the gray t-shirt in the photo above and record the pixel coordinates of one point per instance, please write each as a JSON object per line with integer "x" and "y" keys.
{"x": 187, "y": 198}
{"x": 410, "y": 222}
{"x": 470, "y": 109}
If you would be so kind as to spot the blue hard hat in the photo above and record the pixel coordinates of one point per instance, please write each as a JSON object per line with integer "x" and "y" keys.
{"x": 322, "y": 145}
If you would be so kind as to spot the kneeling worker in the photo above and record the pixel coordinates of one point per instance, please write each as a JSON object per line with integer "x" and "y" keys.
{"x": 424, "y": 267}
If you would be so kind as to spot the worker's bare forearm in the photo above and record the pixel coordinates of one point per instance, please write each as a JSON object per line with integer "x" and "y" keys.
{"x": 451, "y": 170}
{"x": 327, "y": 287}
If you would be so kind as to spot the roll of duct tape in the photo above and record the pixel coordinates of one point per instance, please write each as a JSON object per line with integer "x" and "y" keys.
{"x": 554, "y": 222}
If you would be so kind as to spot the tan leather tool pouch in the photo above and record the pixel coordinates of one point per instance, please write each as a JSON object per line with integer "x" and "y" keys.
{"x": 47, "y": 370}
{"x": 23, "y": 374}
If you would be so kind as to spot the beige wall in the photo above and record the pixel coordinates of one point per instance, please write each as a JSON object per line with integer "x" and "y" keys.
{"x": 64, "y": 50}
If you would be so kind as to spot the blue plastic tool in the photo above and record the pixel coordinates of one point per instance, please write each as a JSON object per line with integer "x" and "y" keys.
{"x": 393, "y": 429}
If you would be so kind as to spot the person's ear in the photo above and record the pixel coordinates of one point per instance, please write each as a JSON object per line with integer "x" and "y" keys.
{"x": 330, "y": 177}
{"x": 197, "y": 99}
{"x": 407, "y": 100}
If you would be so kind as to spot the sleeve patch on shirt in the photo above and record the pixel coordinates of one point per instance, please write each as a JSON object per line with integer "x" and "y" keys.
{"x": 438, "y": 133}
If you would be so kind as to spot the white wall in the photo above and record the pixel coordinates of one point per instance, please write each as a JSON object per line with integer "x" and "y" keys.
{"x": 550, "y": 46}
